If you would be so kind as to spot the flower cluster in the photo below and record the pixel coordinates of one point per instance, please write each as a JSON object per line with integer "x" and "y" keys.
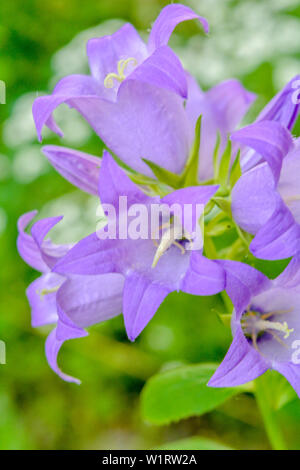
{"x": 172, "y": 145}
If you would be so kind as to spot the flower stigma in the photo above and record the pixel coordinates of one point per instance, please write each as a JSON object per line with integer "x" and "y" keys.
{"x": 120, "y": 76}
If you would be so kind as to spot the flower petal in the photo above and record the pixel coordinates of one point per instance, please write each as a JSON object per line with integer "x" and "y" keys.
{"x": 167, "y": 21}
{"x": 162, "y": 69}
{"x": 72, "y": 90}
{"x": 194, "y": 196}
{"x": 140, "y": 302}
{"x": 113, "y": 183}
{"x": 282, "y": 108}
{"x": 27, "y": 247}
{"x": 90, "y": 256}
{"x": 80, "y": 169}
{"x": 242, "y": 283}
{"x": 241, "y": 364}
{"x": 254, "y": 198}
{"x": 203, "y": 277}
{"x": 52, "y": 348}
{"x": 291, "y": 372}
{"x": 279, "y": 238}
{"x": 270, "y": 139}
{"x": 88, "y": 300}
{"x": 43, "y": 305}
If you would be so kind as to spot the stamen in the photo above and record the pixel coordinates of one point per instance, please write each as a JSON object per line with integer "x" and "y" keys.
{"x": 262, "y": 325}
{"x": 120, "y": 76}
{"x": 265, "y": 316}
{"x": 44, "y": 292}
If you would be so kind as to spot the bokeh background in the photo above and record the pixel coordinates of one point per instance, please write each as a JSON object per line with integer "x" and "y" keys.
{"x": 255, "y": 41}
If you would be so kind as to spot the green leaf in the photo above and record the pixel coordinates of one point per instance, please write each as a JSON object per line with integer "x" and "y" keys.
{"x": 163, "y": 175}
{"x": 236, "y": 171}
{"x": 224, "y": 166}
{"x": 190, "y": 174}
{"x": 194, "y": 443}
{"x": 181, "y": 393}
{"x": 215, "y": 156}
{"x": 224, "y": 204}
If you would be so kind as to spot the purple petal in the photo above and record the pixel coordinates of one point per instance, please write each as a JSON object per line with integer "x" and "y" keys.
{"x": 105, "y": 52}
{"x": 87, "y": 300}
{"x": 241, "y": 364}
{"x": 282, "y": 108}
{"x": 242, "y": 283}
{"x": 90, "y": 256}
{"x": 113, "y": 183}
{"x": 203, "y": 277}
{"x": 291, "y": 372}
{"x": 80, "y": 169}
{"x": 50, "y": 252}
{"x": 254, "y": 198}
{"x": 222, "y": 108}
{"x": 270, "y": 139}
{"x": 53, "y": 346}
{"x": 140, "y": 302}
{"x": 163, "y": 70}
{"x": 192, "y": 196}
{"x": 161, "y": 130}
{"x": 43, "y": 305}
{"x": 279, "y": 238}
{"x": 290, "y": 277}
{"x": 167, "y": 21}
{"x": 27, "y": 247}
{"x": 288, "y": 185}
{"x": 71, "y": 90}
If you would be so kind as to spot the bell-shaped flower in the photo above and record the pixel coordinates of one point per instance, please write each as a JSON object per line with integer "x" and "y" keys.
{"x": 71, "y": 303}
{"x": 265, "y": 325}
{"x": 134, "y": 96}
{"x": 154, "y": 260}
{"x": 265, "y": 200}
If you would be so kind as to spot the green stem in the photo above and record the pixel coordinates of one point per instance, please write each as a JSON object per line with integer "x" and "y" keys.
{"x": 272, "y": 427}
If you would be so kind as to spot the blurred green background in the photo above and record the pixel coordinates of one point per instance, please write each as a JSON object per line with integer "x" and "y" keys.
{"x": 255, "y": 41}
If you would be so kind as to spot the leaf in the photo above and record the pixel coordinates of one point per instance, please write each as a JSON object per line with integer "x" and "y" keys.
{"x": 236, "y": 171}
{"x": 190, "y": 174}
{"x": 194, "y": 443}
{"x": 224, "y": 166}
{"x": 224, "y": 204}
{"x": 163, "y": 175}
{"x": 181, "y": 393}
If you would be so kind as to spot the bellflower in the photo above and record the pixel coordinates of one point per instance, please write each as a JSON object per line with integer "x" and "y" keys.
{"x": 265, "y": 200}
{"x": 72, "y": 303}
{"x": 150, "y": 270}
{"x": 142, "y": 103}
{"x": 133, "y": 98}
{"x": 265, "y": 325}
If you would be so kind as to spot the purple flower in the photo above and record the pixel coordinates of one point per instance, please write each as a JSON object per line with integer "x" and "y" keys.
{"x": 265, "y": 200}
{"x": 265, "y": 325}
{"x": 150, "y": 272}
{"x": 134, "y": 96}
{"x": 143, "y": 104}
{"x": 73, "y": 302}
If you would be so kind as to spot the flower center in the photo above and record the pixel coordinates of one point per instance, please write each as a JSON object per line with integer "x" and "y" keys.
{"x": 255, "y": 324}
{"x": 120, "y": 76}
